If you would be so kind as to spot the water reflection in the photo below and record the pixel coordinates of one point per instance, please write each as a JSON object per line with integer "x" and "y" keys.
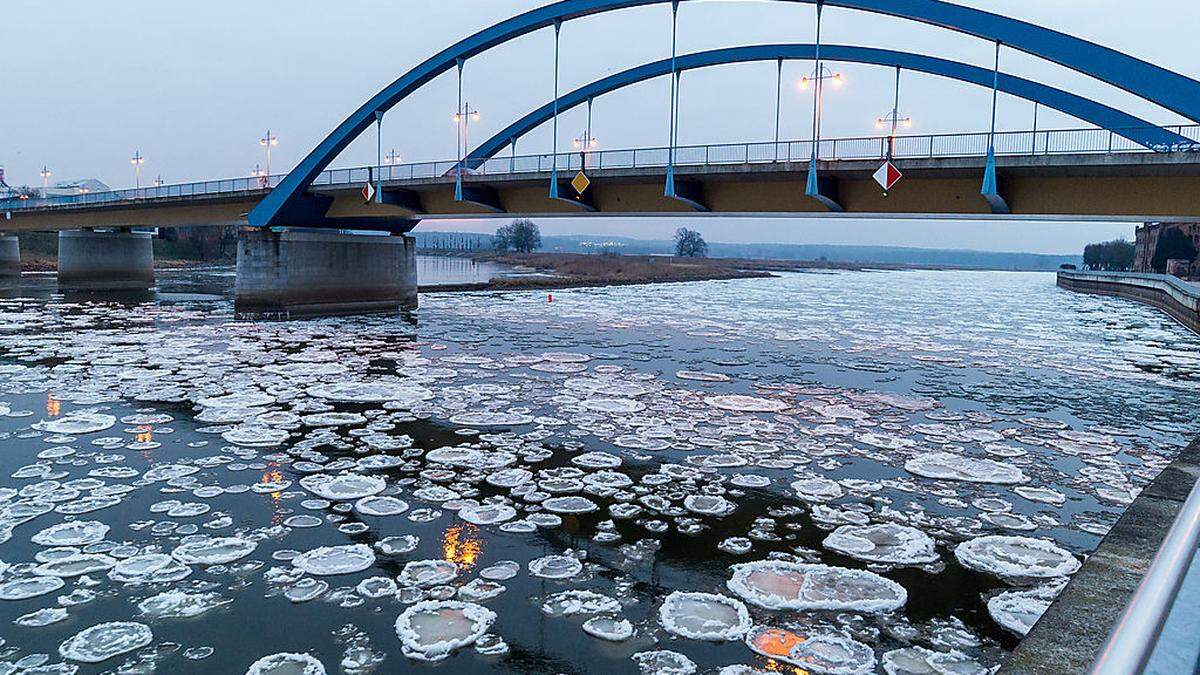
{"x": 461, "y": 544}
{"x": 444, "y": 270}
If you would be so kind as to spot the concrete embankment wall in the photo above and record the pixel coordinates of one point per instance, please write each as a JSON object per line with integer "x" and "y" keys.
{"x": 1175, "y": 297}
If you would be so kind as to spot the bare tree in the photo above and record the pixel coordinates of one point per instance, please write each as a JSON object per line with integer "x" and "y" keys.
{"x": 689, "y": 244}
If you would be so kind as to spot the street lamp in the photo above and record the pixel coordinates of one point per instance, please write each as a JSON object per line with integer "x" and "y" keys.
{"x": 259, "y": 174}
{"x": 584, "y": 144}
{"x": 894, "y": 119}
{"x": 159, "y": 182}
{"x": 45, "y": 173}
{"x": 821, "y": 74}
{"x": 137, "y": 161}
{"x": 393, "y": 157}
{"x": 268, "y": 142}
{"x": 463, "y": 119}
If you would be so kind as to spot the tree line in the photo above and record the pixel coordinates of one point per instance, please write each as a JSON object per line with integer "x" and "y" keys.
{"x": 1110, "y": 256}
{"x": 524, "y": 236}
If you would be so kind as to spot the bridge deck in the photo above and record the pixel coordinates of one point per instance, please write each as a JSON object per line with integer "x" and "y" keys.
{"x": 1133, "y": 186}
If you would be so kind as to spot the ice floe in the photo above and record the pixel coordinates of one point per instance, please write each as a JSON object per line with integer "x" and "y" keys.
{"x": 431, "y": 630}
{"x": 1016, "y": 559}
{"x": 608, "y": 628}
{"x": 704, "y": 616}
{"x": 73, "y": 533}
{"x": 214, "y": 551}
{"x": 775, "y": 584}
{"x": 104, "y": 641}
{"x": 555, "y": 567}
{"x": 285, "y": 663}
{"x": 885, "y": 543}
{"x": 947, "y": 466}
{"x": 335, "y": 560}
{"x": 344, "y": 487}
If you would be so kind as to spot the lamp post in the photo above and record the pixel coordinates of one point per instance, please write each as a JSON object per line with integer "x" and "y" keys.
{"x": 269, "y": 141}
{"x": 894, "y": 119}
{"x": 137, "y": 161}
{"x": 584, "y": 145}
{"x": 393, "y": 157}
{"x": 260, "y": 175}
{"x": 45, "y": 174}
{"x": 820, "y": 75}
{"x": 463, "y": 119}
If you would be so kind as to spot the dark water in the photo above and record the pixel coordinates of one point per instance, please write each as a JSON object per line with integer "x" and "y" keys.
{"x": 446, "y": 270}
{"x": 866, "y": 370}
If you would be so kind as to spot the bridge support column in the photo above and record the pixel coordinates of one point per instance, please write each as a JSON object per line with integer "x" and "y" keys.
{"x": 10, "y": 257}
{"x": 90, "y": 260}
{"x": 293, "y": 273}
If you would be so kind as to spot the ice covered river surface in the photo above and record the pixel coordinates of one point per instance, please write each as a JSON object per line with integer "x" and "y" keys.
{"x": 848, "y": 472}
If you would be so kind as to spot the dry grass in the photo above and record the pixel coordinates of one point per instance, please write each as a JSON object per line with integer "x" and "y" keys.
{"x": 570, "y": 269}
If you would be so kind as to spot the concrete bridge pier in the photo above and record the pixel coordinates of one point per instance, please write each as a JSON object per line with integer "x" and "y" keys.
{"x": 294, "y": 272}
{"x": 10, "y": 257}
{"x": 105, "y": 260}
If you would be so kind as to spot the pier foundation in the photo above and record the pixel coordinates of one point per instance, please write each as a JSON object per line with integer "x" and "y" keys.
{"x": 10, "y": 257}
{"x": 295, "y": 273}
{"x": 91, "y": 260}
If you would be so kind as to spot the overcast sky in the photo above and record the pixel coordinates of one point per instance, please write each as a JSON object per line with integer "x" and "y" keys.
{"x": 194, "y": 85}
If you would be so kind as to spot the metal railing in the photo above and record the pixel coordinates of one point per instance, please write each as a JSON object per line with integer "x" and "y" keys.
{"x": 928, "y": 146}
{"x": 1137, "y": 632}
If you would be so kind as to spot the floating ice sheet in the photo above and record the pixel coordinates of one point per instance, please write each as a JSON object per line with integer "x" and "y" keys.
{"x": 704, "y": 616}
{"x": 431, "y": 630}
{"x": 777, "y": 584}
{"x": 1017, "y": 558}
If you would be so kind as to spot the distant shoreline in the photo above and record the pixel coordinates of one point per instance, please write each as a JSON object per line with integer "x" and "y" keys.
{"x": 547, "y": 271}
{"x": 579, "y": 270}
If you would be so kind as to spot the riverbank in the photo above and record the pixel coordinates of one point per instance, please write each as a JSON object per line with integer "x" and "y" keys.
{"x": 1177, "y": 298}
{"x": 570, "y": 270}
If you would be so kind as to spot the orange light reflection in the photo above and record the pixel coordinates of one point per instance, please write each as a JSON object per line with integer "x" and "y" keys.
{"x": 461, "y": 545}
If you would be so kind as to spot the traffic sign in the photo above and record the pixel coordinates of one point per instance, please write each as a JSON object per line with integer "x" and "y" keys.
{"x": 368, "y": 192}
{"x": 581, "y": 183}
{"x": 887, "y": 176}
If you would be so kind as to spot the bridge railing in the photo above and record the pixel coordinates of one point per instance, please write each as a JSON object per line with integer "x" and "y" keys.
{"x": 927, "y": 146}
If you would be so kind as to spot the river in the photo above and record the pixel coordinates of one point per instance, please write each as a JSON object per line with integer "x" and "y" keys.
{"x": 631, "y": 442}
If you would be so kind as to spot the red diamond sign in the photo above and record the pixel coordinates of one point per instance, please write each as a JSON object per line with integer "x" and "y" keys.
{"x": 887, "y": 176}
{"x": 368, "y": 192}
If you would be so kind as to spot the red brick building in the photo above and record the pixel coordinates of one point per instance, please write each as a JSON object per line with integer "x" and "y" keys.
{"x": 1147, "y": 244}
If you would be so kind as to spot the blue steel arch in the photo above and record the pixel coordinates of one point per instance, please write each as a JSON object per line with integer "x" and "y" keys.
{"x": 289, "y": 201}
{"x": 1134, "y": 128}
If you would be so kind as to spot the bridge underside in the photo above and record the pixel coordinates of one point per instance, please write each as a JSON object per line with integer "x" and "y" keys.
{"x": 1135, "y": 187}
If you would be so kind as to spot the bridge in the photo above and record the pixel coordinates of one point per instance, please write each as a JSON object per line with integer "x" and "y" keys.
{"x": 311, "y": 242}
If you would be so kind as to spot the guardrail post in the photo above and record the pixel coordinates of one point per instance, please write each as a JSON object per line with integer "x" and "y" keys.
{"x": 747, "y": 152}
{"x": 1110, "y": 142}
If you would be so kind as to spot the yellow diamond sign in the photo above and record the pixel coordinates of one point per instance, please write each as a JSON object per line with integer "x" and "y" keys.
{"x": 581, "y": 183}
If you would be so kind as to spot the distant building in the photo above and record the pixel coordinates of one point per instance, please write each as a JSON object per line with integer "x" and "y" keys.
{"x": 1147, "y": 244}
